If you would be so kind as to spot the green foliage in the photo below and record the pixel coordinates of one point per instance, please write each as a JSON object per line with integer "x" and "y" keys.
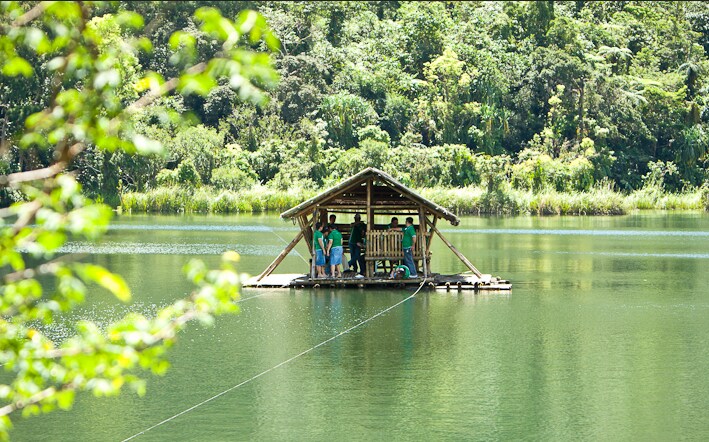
{"x": 166, "y": 178}
{"x": 396, "y": 116}
{"x": 370, "y": 153}
{"x": 500, "y": 78}
{"x": 231, "y": 178}
{"x": 187, "y": 174}
{"x": 345, "y": 114}
{"x": 435, "y": 166}
{"x": 101, "y": 114}
{"x": 199, "y": 146}
{"x": 372, "y": 132}
{"x": 424, "y": 26}
{"x": 212, "y": 200}
{"x": 658, "y": 172}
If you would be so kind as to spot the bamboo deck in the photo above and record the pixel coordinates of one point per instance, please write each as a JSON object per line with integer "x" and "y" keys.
{"x": 459, "y": 282}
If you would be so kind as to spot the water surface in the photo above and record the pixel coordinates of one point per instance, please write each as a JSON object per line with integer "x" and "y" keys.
{"x": 604, "y": 336}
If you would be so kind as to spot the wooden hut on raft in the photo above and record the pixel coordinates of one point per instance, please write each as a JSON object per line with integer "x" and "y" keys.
{"x": 372, "y": 193}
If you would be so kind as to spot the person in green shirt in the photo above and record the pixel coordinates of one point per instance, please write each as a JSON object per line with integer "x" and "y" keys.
{"x": 356, "y": 244}
{"x": 394, "y": 224}
{"x": 319, "y": 245}
{"x": 401, "y": 272}
{"x": 408, "y": 242}
{"x": 334, "y": 250}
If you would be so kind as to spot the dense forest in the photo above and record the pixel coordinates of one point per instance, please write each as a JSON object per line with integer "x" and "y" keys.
{"x": 532, "y": 95}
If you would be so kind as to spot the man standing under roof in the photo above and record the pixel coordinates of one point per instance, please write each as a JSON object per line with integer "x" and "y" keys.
{"x": 356, "y": 244}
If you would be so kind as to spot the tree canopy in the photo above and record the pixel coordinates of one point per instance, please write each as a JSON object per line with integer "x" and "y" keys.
{"x": 616, "y": 86}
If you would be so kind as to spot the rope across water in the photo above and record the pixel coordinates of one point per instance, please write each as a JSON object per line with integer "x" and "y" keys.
{"x": 303, "y": 353}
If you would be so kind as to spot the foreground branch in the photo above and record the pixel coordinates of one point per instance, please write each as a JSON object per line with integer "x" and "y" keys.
{"x": 50, "y": 171}
{"x": 30, "y": 15}
{"x": 166, "y": 87}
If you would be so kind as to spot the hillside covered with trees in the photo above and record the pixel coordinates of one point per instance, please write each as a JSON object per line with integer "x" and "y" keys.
{"x": 568, "y": 96}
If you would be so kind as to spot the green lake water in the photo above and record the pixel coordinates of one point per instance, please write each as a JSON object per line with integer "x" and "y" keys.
{"x": 605, "y": 336}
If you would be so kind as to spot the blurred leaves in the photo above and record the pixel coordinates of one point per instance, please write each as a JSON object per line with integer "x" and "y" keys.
{"x": 88, "y": 56}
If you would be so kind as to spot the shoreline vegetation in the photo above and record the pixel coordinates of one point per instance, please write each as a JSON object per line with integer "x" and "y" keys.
{"x": 528, "y": 107}
{"x": 473, "y": 200}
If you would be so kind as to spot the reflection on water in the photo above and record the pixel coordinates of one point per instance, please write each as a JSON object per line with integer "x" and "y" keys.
{"x": 603, "y": 337}
{"x": 547, "y": 232}
{"x": 647, "y": 255}
{"x": 261, "y": 228}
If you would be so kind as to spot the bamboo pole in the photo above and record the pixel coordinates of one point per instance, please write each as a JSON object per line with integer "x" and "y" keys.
{"x": 280, "y": 257}
{"x": 370, "y": 219}
{"x": 304, "y": 223}
{"x": 312, "y": 253}
{"x": 457, "y": 253}
{"x": 432, "y": 224}
{"x": 422, "y": 245}
{"x": 369, "y": 202}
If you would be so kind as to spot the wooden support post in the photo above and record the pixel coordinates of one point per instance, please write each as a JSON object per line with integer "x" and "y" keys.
{"x": 422, "y": 245}
{"x": 432, "y": 224}
{"x": 370, "y": 221}
{"x": 312, "y": 253}
{"x": 370, "y": 213}
{"x": 457, "y": 253}
{"x": 280, "y": 257}
{"x": 308, "y": 232}
{"x": 429, "y": 238}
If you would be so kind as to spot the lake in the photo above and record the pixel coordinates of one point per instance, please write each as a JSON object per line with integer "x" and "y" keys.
{"x": 604, "y": 336}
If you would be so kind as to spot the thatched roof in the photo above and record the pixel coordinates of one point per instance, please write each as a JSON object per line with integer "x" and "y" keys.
{"x": 386, "y": 192}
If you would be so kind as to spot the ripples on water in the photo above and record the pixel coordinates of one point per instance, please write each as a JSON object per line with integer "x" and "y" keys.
{"x": 591, "y": 344}
{"x": 639, "y": 255}
{"x": 105, "y": 314}
{"x": 101, "y": 314}
{"x": 582, "y": 232}
{"x": 257, "y": 228}
{"x": 142, "y": 248}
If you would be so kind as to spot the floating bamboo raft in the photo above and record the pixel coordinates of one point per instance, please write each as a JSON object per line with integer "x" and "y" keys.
{"x": 375, "y": 193}
{"x": 463, "y": 282}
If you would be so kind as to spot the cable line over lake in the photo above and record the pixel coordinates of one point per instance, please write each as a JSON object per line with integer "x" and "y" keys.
{"x": 303, "y": 353}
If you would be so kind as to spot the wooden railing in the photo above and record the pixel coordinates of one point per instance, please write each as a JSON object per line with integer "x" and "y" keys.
{"x": 385, "y": 246}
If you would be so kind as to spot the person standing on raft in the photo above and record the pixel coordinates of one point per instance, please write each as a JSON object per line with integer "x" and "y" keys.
{"x": 408, "y": 242}
{"x": 334, "y": 249}
{"x": 356, "y": 243}
{"x": 318, "y": 243}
